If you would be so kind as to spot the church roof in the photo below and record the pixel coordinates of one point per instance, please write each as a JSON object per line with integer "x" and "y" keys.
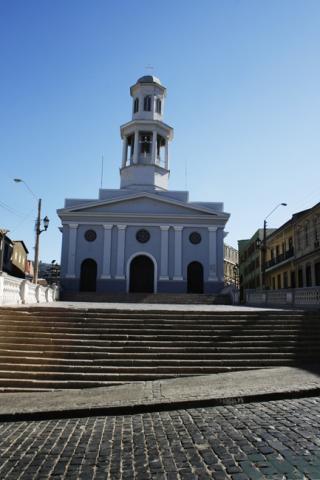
{"x": 149, "y": 79}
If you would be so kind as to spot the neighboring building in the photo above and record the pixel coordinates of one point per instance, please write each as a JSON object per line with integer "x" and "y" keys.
{"x": 280, "y": 271}
{"x": 231, "y": 265}
{"x": 7, "y": 253}
{"x": 14, "y": 257}
{"x": 292, "y": 254}
{"x": 29, "y": 270}
{"x": 143, "y": 237}
{"x": 19, "y": 259}
{"x": 250, "y": 260}
{"x": 307, "y": 247}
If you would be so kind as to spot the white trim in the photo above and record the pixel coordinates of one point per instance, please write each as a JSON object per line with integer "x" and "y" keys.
{"x": 164, "y": 248}
{"x": 72, "y": 250}
{"x": 178, "y": 229}
{"x": 121, "y": 243}
{"x": 155, "y": 272}
{"x": 149, "y": 224}
{"x": 106, "y": 251}
{"x": 170, "y": 201}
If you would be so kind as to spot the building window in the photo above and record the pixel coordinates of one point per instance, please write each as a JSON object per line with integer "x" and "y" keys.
{"x": 299, "y": 238}
{"x": 147, "y": 103}
{"x": 145, "y": 142}
{"x": 273, "y": 283}
{"x": 195, "y": 238}
{"x": 136, "y": 105}
{"x": 300, "y": 278}
{"x": 143, "y": 236}
{"x": 308, "y": 276}
{"x": 158, "y": 105}
{"x": 90, "y": 235}
{"x": 306, "y": 233}
{"x": 285, "y": 280}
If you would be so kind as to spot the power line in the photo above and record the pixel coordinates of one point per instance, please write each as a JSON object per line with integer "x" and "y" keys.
{"x": 7, "y": 207}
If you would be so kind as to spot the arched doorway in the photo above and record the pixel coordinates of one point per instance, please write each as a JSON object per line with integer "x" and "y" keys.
{"x": 88, "y": 276}
{"x": 195, "y": 277}
{"x": 141, "y": 275}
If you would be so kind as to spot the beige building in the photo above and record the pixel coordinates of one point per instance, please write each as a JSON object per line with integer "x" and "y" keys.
{"x": 231, "y": 265}
{"x": 280, "y": 270}
{"x": 307, "y": 247}
{"x": 19, "y": 258}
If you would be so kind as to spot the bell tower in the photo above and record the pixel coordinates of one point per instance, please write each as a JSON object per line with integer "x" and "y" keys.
{"x": 145, "y": 159}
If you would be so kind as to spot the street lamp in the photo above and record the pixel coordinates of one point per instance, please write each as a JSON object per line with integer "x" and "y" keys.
{"x": 264, "y": 243}
{"x": 38, "y": 229}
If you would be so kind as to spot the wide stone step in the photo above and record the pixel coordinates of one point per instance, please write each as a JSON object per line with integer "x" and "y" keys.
{"x": 98, "y": 339}
{"x": 116, "y": 375}
{"x": 80, "y": 330}
{"x": 144, "y": 366}
{"x": 129, "y": 348}
{"x": 89, "y": 357}
{"x": 170, "y": 298}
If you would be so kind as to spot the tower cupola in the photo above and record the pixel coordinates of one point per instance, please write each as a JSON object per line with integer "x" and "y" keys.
{"x": 145, "y": 159}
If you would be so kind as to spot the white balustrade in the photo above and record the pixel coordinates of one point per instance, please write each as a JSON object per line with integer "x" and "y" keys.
{"x": 17, "y": 291}
{"x": 299, "y": 297}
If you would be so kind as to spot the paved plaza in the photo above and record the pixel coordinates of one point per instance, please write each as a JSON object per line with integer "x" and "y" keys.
{"x": 268, "y": 440}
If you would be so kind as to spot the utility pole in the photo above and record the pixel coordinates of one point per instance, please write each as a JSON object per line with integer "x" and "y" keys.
{"x": 36, "y": 248}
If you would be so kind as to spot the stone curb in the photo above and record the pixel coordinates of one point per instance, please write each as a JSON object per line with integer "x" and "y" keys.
{"x": 141, "y": 408}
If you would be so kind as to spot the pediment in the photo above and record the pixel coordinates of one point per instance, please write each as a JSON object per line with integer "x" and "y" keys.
{"x": 140, "y": 204}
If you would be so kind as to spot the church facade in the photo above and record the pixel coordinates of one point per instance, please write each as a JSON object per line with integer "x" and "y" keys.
{"x": 143, "y": 237}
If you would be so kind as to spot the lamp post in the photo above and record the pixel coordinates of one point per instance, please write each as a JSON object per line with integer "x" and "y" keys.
{"x": 38, "y": 230}
{"x": 3, "y": 233}
{"x": 264, "y": 243}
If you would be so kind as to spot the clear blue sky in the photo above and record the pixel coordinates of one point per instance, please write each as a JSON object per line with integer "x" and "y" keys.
{"x": 243, "y": 80}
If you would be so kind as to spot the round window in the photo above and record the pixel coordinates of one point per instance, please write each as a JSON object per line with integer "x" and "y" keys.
{"x": 90, "y": 235}
{"x": 143, "y": 236}
{"x": 195, "y": 238}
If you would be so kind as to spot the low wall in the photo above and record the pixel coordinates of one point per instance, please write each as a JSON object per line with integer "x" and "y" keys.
{"x": 294, "y": 297}
{"x": 16, "y": 291}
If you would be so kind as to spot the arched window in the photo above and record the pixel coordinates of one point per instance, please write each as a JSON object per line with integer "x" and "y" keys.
{"x": 136, "y": 105}
{"x": 147, "y": 103}
{"x": 158, "y": 105}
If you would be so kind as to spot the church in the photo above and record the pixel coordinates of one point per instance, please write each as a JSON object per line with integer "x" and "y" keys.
{"x": 143, "y": 237}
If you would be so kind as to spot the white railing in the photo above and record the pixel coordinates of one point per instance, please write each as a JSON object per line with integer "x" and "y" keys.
{"x": 17, "y": 291}
{"x": 295, "y": 297}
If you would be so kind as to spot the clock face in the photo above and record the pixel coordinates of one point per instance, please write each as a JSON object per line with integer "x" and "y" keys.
{"x": 90, "y": 235}
{"x": 143, "y": 236}
{"x": 195, "y": 238}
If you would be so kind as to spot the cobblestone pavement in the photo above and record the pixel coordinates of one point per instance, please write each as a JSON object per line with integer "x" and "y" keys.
{"x": 270, "y": 440}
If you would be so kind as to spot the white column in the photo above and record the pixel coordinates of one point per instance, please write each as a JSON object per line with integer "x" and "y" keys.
{"x": 212, "y": 253}
{"x": 167, "y": 155}
{"x": 73, "y": 227}
{"x": 120, "y": 253}
{"x": 106, "y": 257}
{"x": 164, "y": 252}
{"x": 124, "y": 151}
{"x": 154, "y": 147}
{"x": 136, "y": 147}
{"x": 177, "y": 253}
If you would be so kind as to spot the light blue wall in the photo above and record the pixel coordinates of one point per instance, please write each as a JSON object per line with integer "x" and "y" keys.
{"x": 94, "y": 250}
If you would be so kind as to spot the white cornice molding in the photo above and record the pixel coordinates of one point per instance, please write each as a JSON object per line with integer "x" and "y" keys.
{"x": 133, "y": 196}
{"x": 147, "y": 224}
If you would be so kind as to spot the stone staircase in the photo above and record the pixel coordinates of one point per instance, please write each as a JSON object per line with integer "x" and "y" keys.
{"x": 169, "y": 298}
{"x": 52, "y": 348}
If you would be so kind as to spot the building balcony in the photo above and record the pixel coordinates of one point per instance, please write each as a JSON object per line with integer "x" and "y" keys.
{"x": 280, "y": 259}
